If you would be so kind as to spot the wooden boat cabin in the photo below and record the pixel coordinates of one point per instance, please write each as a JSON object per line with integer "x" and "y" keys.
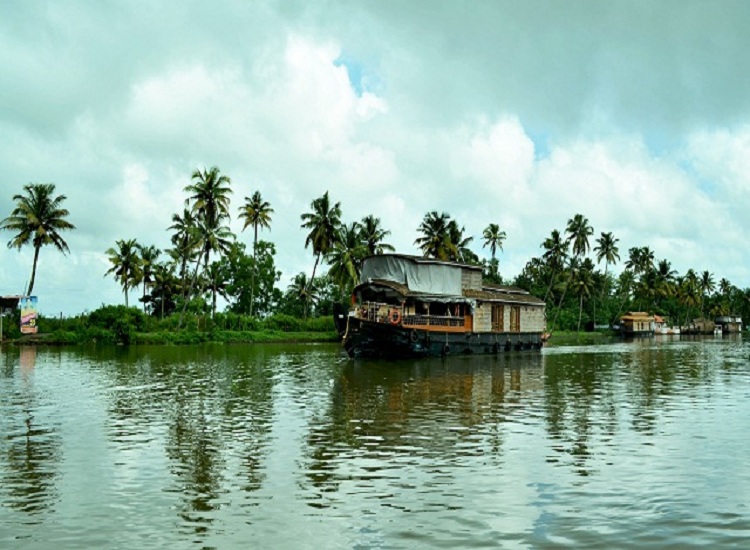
{"x": 637, "y": 323}
{"x": 412, "y": 306}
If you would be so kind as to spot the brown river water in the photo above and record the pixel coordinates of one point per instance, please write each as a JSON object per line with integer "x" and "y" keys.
{"x": 639, "y": 444}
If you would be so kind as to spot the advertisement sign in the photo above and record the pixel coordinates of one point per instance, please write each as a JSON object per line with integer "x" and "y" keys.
{"x": 28, "y": 314}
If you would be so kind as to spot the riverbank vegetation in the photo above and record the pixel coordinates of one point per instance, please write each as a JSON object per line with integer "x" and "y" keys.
{"x": 179, "y": 288}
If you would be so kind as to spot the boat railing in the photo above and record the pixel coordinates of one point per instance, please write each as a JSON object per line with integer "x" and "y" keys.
{"x": 434, "y": 321}
{"x": 381, "y": 312}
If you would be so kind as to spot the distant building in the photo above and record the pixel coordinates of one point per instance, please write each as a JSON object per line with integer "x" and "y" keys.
{"x": 729, "y": 323}
{"x": 637, "y": 323}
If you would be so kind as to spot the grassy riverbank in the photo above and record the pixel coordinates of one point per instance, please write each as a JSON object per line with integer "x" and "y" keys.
{"x": 128, "y": 326}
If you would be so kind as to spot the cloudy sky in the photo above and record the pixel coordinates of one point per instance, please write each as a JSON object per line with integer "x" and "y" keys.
{"x": 635, "y": 114}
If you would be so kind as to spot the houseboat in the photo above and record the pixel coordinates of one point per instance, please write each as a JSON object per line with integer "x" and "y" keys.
{"x": 701, "y": 325}
{"x": 408, "y": 306}
{"x": 637, "y": 324}
{"x": 729, "y": 324}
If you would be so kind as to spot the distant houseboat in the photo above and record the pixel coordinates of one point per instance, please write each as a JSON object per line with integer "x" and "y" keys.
{"x": 701, "y": 326}
{"x": 637, "y": 323}
{"x": 661, "y": 326}
{"x": 408, "y": 306}
{"x": 729, "y": 323}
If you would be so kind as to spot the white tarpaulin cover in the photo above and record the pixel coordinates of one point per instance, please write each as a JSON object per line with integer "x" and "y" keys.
{"x": 428, "y": 278}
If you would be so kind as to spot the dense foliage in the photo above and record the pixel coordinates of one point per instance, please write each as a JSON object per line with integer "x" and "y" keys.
{"x": 183, "y": 289}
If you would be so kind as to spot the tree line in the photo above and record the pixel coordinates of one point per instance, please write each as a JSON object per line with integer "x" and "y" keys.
{"x": 206, "y": 261}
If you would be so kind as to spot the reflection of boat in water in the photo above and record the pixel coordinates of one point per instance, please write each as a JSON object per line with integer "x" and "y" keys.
{"x": 407, "y": 306}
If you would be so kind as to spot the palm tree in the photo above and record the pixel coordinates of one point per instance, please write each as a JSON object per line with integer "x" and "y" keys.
{"x": 149, "y": 255}
{"x": 219, "y": 280}
{"x": 210, "y": 192}
{"x": 185, "y": 240}
{"x": 493, "y": 238}
{"x": 345, "y": 256}
{"x": 665, "y": 277}
{"x": 209, "y": 196}
{"x": 255, "y": 212}
{"x": 556, "y": 253}
{"x": 459, "y": 245}
{"x": 581, "y": 284}
{"x": 640, "y": 260}
{"x": 303, "y": 289}
{"x": 579, "y": 232}
{"x": 606, "y": 249}
{"x": 323, "y": 223}
{"x": 689, "y": 292}
{"x": 371, "y": 235}
{"x": 126, "y": 265}
{"x": 707, "y": 287}
{"x": 38, "y": 218}
{"x": 214, "y": 238}
{"x": 163, "y": 286}
{"x": 435, "y": 241}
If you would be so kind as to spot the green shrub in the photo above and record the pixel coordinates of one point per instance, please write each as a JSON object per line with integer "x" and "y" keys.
{"x": 107, "y": 316}
{"x": 282, "y": 322}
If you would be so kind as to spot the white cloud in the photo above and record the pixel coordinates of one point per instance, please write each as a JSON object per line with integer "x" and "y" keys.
{"x": 525, "y": 125}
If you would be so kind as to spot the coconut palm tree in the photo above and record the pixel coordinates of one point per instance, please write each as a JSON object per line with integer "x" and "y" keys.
{"x": 689, "y": 292}
{"x": 372, "y": 235}
{"x": 219, "y": 279}
{"x": 149, "y": 256}
{"x": 555, "y": 256}
{"x": 209, "y": 199}
{"x": 493, "y": 238}
{"x": 255, "y": 212}
{"x": 209, "y": 195}
{"x": 582, "y": 284}
{"x": 322, "y": 223}
{"x": 435, "y": 241}
{"x": 707, "y": 286}
{"x": 303, "y": 289}
{"x": 185, "y": 240}
{"x": 459, "y": 244}
{"x": 126, "y": 265}
{"x": 345, "y": 256}
{"x": 606, "y": 249}
{"x": 38, "y": 218}
{"x": 164, "y": 286}
{"x": 579, "y": 232}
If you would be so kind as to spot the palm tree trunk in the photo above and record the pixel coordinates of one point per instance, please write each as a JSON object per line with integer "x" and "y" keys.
{"x": 190, "y": 291}
{"x": 309, "y": 284}
{"x": 33, "y": 270}
{"x": 255, "y": 267}
{"x": 549, "y": 288}
{"x": 559, "y": 306}
{"x": 580, "y": 311}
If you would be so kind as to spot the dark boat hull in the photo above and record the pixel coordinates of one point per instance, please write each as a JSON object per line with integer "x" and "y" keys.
{"x": 371, "y": 339}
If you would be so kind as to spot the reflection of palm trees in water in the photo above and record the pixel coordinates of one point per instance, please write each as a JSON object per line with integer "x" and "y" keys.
{"x": 432, "y": 410}
{"x": 30, "y": 449}
{"x": 217, "y": 406}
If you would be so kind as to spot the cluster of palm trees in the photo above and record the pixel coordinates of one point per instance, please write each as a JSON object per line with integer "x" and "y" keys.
{"x": 343, "y": 246}
{"x": 565, "y": 275}
{"x": 564, "y": 270}
{"x": 199, "y": 234}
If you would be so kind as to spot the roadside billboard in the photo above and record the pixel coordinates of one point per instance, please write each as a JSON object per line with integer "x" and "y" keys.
{"x": 28, "y": 314}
